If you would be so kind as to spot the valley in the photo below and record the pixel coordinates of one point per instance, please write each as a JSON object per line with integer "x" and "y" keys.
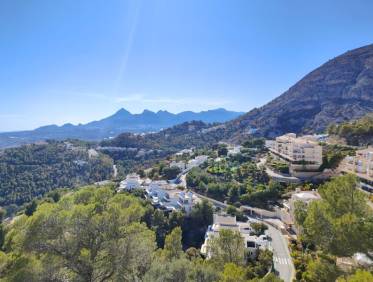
{"x": 280, "y": 193}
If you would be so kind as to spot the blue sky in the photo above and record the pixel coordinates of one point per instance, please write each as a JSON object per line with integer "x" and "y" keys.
{"x": 77, "y": 61}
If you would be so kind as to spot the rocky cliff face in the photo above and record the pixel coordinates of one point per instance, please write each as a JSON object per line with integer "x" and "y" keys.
{"x": 339, "y": 90}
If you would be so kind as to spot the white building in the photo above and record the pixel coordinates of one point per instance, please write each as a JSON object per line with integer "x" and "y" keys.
{"x": 197, "y": 161}
{"x": 181, "y": 165}
{"x": 362, "y": 166}
{"x": 299, "y": 196}
{"x": 251, "y": 243}
{"x": 234, "y": 150}
{"x": 305, "y": 196}
{"x": 132, "y": 181}
{"x": 297, "y": 149}
{"x": 270, "y": 144}
{"x": 165, "y": 197}
{"x": 186, "y": 201}
{"x": 159, "y": 184}
{"x": 303, "y": 154}
{"x": 185, "y": 152}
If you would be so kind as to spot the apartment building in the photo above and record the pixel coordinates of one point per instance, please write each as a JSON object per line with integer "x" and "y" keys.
{"x": 303, "y": 155}
{"x": 297, "y": 149}
{"x": 362, "y": 166}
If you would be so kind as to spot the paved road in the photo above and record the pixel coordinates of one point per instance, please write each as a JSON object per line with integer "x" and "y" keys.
{"x": 276, "y": 176}
{"x": 216, "y": 203}
{"x": 283, "y": 263}
{"x": 281, "y": 178}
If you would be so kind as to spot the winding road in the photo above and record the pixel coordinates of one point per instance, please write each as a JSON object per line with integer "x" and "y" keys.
{"x": 283, "y": 264}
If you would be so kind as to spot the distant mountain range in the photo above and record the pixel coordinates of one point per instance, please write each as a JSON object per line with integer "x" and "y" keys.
{"x": 122, "y": 121}
{"x": 340, "y": 90}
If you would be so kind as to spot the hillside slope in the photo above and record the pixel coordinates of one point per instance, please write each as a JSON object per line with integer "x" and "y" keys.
{"x": 357, "y": 132}
{"x": 339, "y": 90}
{"x": 32, "y": 170}
{"x": 131, "y": 150}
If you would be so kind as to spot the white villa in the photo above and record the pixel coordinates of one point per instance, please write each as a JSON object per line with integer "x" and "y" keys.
{"x": 234, "y": 150}
{"x": 186, "y": 201}
{"x": 197, "y": 161}
{"x": 185, "y": 151}
{"x": 164, "y": 196}
{"x": 132, "y": 181}
{"x": 181, "y": 165}
{"x": 303, "y": 196}
{"x": 251, "y": 243}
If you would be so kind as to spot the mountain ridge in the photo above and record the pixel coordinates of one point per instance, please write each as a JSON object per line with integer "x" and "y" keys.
{"x": 339, "y": 90}
{"x": 121, "y": 121}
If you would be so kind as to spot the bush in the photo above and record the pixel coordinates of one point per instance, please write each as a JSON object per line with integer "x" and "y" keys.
{"x": 259, "y": 228}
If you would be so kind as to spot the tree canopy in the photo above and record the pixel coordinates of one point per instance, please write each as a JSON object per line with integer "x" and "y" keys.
{"x": 33, "y": 170}
{"x": 94, "y": 234}
{"x": 341, "y": 223}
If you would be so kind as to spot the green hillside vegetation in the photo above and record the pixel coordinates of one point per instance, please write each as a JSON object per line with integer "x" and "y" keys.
{"x": 94, "y": 234}
{"x": 145, "y": 150}
{"x": 334, "y": 154}
{"x": 357, "y": 133}
{"x": 32, "y": 170}
{"x": 339, "y": 225}
{"x": 237, "y": 181}
{"x": 172, "y": 139}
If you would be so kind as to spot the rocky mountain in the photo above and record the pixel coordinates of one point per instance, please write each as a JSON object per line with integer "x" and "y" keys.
{"x": 339, "y": 90}
{"x": 122, "y": 121}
